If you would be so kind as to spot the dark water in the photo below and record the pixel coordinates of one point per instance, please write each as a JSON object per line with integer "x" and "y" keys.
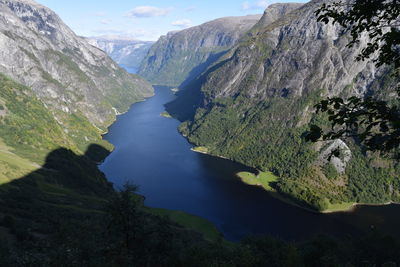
{"x": 151, "y": 153}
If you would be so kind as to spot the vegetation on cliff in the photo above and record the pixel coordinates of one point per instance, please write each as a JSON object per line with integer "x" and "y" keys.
{"x": 254, "y": 106}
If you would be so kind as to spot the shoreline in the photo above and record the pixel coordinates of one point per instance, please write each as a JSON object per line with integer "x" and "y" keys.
{"x": 197, "y": 150}
{"x": 275, "y": 194}
{"x": 355, "y": 205}
{"x": 117, "y": 114}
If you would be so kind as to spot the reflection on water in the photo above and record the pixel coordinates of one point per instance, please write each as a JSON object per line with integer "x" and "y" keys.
{"x": 151, "y": 153}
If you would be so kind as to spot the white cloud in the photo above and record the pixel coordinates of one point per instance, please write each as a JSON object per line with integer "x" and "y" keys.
{"x": 190, "y": 9}
{"x": 260, "y": 4}
{"x": 100, "y": 14}
{"x": 105, "y": 21}
{"x": 148, "y": 12}
{"x": 246, "y": 5}
{"x": 182, "y": 23}
{"x": 140, "y": 34}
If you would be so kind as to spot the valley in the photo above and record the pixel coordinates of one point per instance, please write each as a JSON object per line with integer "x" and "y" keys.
{"x": 151, "y": 153}
{"x": 203, "y": 148}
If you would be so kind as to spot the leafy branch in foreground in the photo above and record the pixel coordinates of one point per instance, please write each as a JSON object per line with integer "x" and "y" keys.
{"x": 375, "y": 123}
{"x": 380, "y": 19}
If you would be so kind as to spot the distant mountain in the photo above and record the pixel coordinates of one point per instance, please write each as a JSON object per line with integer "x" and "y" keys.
{"x": 126, "y": 52}
{"x": 255, "y": 103}
{"x": 181, "y": 55}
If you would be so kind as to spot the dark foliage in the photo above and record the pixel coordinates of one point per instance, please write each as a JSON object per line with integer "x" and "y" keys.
{"x": 378, "y": 18}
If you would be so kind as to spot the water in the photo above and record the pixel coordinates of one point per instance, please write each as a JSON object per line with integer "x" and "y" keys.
{"x": 151, "y": 153}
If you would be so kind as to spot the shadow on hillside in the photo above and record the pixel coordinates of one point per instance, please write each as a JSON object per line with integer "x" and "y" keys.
{"x": 190, "y": 97}
{"x": 67, "y": 214}
{"x": 199, "y": 69}
{"x": 67, "y": 187}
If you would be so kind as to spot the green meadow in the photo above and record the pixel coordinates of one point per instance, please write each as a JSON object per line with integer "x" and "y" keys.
{"x": 264, "y": 179}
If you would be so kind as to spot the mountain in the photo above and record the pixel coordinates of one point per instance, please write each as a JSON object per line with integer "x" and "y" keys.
{"x": 57, "y": 90}
{"x": 255, "y": 103}
{"x": 126, "y": 52}
{"x": 79, "y": 84}
{"x": 181, "y": 55}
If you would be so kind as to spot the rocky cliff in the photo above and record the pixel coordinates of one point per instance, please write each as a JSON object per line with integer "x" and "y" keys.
{"x": 65, "y": 71}
{"x": 127, "y": 53}
{"x": 180, "y": 56}
{"x": 254, "y": 104}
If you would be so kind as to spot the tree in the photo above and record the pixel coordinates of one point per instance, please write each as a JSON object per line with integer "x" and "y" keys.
{"x": 375, "y": 123}
{"x": 124, "y": 214}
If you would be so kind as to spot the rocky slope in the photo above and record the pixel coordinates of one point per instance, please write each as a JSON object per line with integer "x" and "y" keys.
{"x": 46, "y": 69}
{"x": 64, "y": 70}
{"x": 126, "y": 52}
{"x": 181, "y": 55}
{"x": 255, "y": 103}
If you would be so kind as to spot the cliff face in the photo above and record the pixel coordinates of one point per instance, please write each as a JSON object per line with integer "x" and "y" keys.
{"x": 182, "y": 55}
{"x": 67, "y": 73}
{"x": 292, "y": 56}
{"x": 129, "y": 53}
{"x": 255, "y": 103}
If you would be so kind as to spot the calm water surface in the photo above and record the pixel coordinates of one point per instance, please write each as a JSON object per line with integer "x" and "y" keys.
{"x": 151, "y": 153}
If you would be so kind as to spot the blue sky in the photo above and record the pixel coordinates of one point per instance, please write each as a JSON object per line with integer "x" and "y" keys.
{"x": 147, "y": 19}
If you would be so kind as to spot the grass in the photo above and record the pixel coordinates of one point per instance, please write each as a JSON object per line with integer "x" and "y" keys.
{"x": 200, "y": 149}
{"x": 264, "y": 179}
{"x": 12, "y": 166}
{"x": 165, "y": 114}
{"x": 345, "y": 206}
{"x": 189, "y": 221}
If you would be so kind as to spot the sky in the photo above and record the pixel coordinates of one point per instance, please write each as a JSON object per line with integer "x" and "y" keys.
{"x": 147, "y": 20}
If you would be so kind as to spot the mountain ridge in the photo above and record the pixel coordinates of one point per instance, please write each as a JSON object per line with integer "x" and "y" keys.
{"x": 253, "y": 106}
{"x": 188, "y": 52}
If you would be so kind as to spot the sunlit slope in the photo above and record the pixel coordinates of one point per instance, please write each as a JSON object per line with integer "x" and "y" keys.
{"x": 28, "y": 131}
{"x": 256, "y": 102}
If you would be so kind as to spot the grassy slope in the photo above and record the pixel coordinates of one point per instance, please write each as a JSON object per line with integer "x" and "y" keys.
{"x": 263, "y": 179}
{"x": 189, "y": 221}
{"x": 200, "y": 149}
{"x": 12, "y": 166}
{"x": 27, "y": 126}
{"x": 31, "y": 137}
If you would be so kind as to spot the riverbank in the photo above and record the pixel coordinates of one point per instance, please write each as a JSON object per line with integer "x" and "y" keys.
{"x": 349, "y": 207}
{"x": 267, "y": 179}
